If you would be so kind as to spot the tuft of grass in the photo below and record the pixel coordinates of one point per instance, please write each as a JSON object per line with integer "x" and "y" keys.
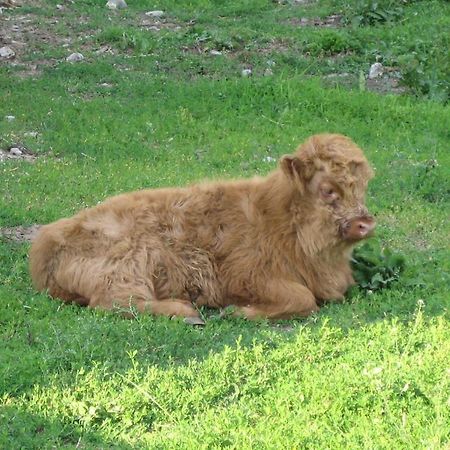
{"x": 331, "y": 42}
{"x": 124, "y": 39}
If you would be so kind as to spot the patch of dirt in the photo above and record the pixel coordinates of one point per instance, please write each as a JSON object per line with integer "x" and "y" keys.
{"x": 20, "y": 233}
{"x": 105, "y": 50}
{"x": 275, "y": 46}
{"x": 5, "y": 4}
{"x": 295, "y": 2}
{"x": 33, "y": 69}
{"x": 158, "y": 23}
{"x": 28, "y": 34}
{"x": 333, "y": 21}
{"x": 22, "y": 30}
{"x": 344, "y": 78}
{"x": 388, "y": 83}
{"x": 17, "y": 152}
{"x": 242, "y": 53}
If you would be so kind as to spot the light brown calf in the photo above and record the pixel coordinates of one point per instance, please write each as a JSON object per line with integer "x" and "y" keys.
{"x": 275, "y": 246}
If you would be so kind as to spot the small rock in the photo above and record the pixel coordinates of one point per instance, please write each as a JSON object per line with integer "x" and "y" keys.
{"x": 10, "y": 118}
{"x": 6, "y": 52}
{"x": 194, "y": 321}
{"x": 156, "y": 14}
{"x": 215, "y": 53}
{"x": 268, "y": 72}
{"x": 116, "y": 4}
{"x": 200, "y": 154}
{"x": 376, "y": 70}
{"x": 59, "y": 7}
{"x": 246, "y": 72}
{"x": 269, "y": 159}
{"x": 74, "y": 57}
{"x": 15, "y": 151}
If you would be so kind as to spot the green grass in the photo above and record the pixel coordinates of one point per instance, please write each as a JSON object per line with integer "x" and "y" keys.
{"x": 157, "y": 109}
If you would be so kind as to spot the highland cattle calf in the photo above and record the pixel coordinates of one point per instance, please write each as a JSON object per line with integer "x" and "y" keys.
{"x": 275, "y": 247}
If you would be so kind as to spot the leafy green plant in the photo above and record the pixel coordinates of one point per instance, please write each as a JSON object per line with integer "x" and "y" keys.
{"x": 373, "y": 12}
{"x": 376, "y": 267}
{"x": 331, "y": 42}
{"x": 126, "y": 39}
{"x": 426, "y": 68}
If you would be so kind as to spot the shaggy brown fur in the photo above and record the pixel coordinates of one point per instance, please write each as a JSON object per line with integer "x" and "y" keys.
{"x": 275, "y": 247}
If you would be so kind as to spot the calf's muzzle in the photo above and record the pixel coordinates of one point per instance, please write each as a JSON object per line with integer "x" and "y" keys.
{"x": 359, "y": 228}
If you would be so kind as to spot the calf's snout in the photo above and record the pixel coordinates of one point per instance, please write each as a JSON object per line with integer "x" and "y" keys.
{"x": 359, "y": 228}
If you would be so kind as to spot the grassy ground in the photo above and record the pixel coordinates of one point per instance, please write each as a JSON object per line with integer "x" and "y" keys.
{"x": 150, "y": 106}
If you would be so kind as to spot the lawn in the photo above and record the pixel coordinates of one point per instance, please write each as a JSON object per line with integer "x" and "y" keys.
{"x": 163, "y": 101}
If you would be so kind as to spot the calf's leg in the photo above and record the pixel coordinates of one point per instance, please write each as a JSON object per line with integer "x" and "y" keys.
{"x": 125, "y": 304}
{"x": 281, "y": 299}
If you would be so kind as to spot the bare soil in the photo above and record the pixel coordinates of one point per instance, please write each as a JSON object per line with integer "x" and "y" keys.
{"x": 333, "y": 21}
{"x": 20, "y": 233}
{"x": 24, "y": 154}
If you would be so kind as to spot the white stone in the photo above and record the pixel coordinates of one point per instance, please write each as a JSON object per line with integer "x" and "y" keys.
{"x": 376, "y": 70}
{"x": 15, "y": 151}
{"x": 74, "y": 57}
{"x": 268, "y": 72}
{"x": 215, "y": 53}
{"x": 10, "y": 118}
{"x": 246, "y": 72}
{"x": 116, "y": 4}
{"x": 269, "y": 159}
{"x": 6, "y": 52}
{"x": 156, "y": 13}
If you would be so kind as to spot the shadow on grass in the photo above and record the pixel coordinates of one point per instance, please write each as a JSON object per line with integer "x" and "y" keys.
{"x": 43, "y": 338}
{"x": 34, "y": 431}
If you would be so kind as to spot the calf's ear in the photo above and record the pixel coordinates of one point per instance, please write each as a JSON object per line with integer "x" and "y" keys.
{"x": 296, "y": 170}
{"x": 291, "y": 166}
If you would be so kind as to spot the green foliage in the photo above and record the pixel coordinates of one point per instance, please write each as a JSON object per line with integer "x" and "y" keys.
{"x": 374, "y": 267}
{"x": 137, "y": 40}
{"x": 426, "y": 68}
{"x": 331, "y": 42}
{"x": 373, "y": 12}
{"x": 211, "y": 40}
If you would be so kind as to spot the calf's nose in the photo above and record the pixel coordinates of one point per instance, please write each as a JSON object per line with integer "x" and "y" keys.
{"x": 360, "y": 228}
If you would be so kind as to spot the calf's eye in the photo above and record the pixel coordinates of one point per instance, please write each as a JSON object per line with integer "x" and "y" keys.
{"x": 329, "y": 195}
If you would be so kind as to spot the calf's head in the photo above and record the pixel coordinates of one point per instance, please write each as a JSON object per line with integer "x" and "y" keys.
{"x": 330, "y": 175}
